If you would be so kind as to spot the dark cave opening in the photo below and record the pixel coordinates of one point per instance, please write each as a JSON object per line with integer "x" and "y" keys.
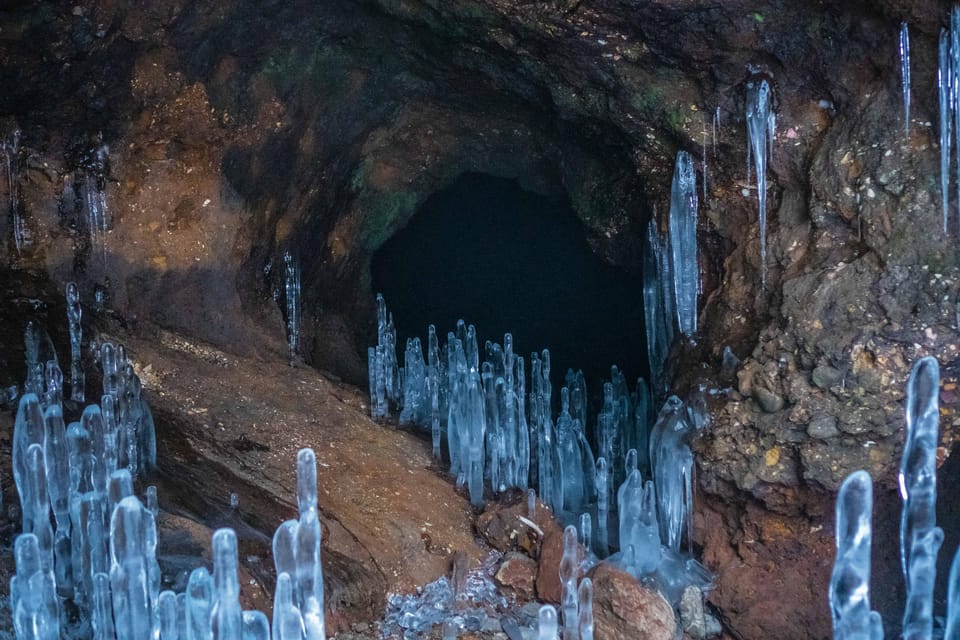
{"x": 509, "y": 260}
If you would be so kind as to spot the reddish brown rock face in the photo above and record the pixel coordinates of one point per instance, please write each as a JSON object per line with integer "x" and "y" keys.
{"x": 517, "y": 573}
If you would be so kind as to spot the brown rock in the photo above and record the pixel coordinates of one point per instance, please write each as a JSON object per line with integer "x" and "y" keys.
{"x": 503, "y": 527}
{"x": 623, "y": 608}
{"x": 518, "y": 573}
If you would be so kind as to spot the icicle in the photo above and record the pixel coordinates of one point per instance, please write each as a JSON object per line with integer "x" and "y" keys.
{"x": 716, "y": 127}
{"x": 569, "y": 572}
{"x": 760, "y": 139}
{"x": 547, "y": 627}
{"x": 905, "y": 73}
{"x": 292, "y": 290}
{"x": 585, "y": 598}
{"x": 955, "y": 87}
{"x": 944, "y": 81}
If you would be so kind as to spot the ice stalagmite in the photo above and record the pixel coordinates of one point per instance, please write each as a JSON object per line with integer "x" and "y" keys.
{"x": 199, "y": 604}
{"x": 603, "y": 508}
{"x": 547, "y": 623}
{"x": 672, "y": 462}
{"x": 309, "y": 571}
{"x": 287, "y": 621}
{"x": 255, "y": 626}
{"x": 134, "y": 573}
{"x": 945, "y": 77}
{"x": 226, "y": 616}
{"x": 850, "y": 582}
{"x": 683, "y": 243}
{"x": 33, "y": 597}
{"x": 585, "y": 599}
{"x": 905, "y": 73}
{"x": 74, "y": 315}
{"x": 415, "y": 402}
{"x": 920, "y": 538}
{"x": 569, "y": 573}
{"x": 760, "y": 139}
{"x": 952, "y": 631}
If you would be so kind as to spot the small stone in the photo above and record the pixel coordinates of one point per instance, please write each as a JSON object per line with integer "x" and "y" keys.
{"x": 825, "y": 376}
{"x": 518, "y": 573}
{"x": 696, "y": 622}
{"x": 823, "y": 426}
{"x": 769, "y": 401}
{"x": 531, "y": 610}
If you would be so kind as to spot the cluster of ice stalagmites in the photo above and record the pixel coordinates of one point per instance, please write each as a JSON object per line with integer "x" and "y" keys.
{"x": 86, "y": 561}
{"x": 920, "y": 538}
{"x": 500, "y": 434}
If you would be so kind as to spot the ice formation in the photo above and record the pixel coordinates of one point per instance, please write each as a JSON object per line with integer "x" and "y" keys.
{"x": 96, "y": 555}
{"x": 495, "y": 443}
{"x": 547, "y": 629}
{"x": 945, "y": 78}
{"x": 74, "y": 314}
{"x": 760, "y": 129}
{"x": 905, "y": 73}
{"x": 93, "y": 183}
{"x": 11, "y": 156}
{"x": 683, "y": 243}
{"x": 920, "y": 538}
{"x": 292, "y": 296}
{"x": 850, "y": 582}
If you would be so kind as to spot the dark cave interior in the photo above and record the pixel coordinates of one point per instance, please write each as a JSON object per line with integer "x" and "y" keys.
{"x": 508, "y": 260}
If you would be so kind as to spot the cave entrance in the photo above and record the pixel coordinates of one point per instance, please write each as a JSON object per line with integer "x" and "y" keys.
{"x": 509, "y": 260}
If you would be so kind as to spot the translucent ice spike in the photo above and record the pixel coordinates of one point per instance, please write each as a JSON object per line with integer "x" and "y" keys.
{"x": 683, "y": 243}
{"x": 255, "y": 626}
{"x": 547, "y": 627}
{"x": 57, "y": 464}
{"x": 199, "y": 605}
{"x": 134, "y": 574}
{"x": 92, "y": 421}
{"x": 226, "y": 617}
{"x": 167, "y": 603}
{"x": 309, "y": 576}
{"x": 414, "y": 384}
{"x": 28, "y": 429}
{"x": 905, "y": 73}
{"x": 760, "y": 139}
{"x": 569, "y": 572}
{"x": 287, "y": 622}
{"x": 920, "y": 538}
{"x": 53, "y": 379}
{"x": 36, "y": 612}
{"x": 74, "y": 314}
{"x": 102, "y": 612}
{"x": 944, "y": 81}
{"x": 603, "y": 508}
{"x": 953, "y": 601}
{"x": 35, "y": 504}
{"x": 850, "y": 582}
{"x": 585, "y": 598}
{"x": 284, "y": 548}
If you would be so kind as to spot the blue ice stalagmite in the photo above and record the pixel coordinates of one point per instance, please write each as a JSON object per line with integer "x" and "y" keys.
{"x": 74, "y": 314}
{"x": 167, "y": 605}
{"x": 255, "y": 626}
{"x": 920, "y": 538}
{"x": 585, "y": 606}
{"x": 603, "y": 508}
{"x": 384, "y": 370}
{"x": 945, "y": 76}
{"x": 683, "y": 243}
{"x": 28, "y": 429}
{"x": 226, "y": 618}
{"x": 10, "y": 148}
{"x": 760, "y": 141}
{"x": 287, "y": 621}
{"x": 569, "y": 574}
{"x": 904, "y": 50}
{"x": 547, "y": 623}
{"x": 952, "y": 631}
{"x": 134, "y": 573}
{"x": 309, "y": 570}
{"x": 639, "y": 532}
{"x": 850, "y": 583}
{"x": 199, "y": 604}
{"x": 415, "y": 402}
{"x": 33, "y": 597}
{"x": 292, "y": 296}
